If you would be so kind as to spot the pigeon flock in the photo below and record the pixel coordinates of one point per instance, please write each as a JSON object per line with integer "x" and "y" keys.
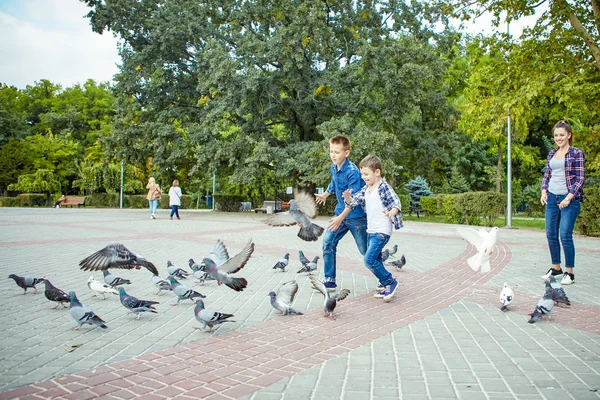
{"x": 220, "y": 268}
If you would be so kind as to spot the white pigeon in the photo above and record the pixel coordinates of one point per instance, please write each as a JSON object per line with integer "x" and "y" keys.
{"x": 506, "y": 296}
{"x": 100, "y": 288}
{"x": 484, "y": 242}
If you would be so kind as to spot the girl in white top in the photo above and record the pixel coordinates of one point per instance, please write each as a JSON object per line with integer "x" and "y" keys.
{"x": 175, "y": 198}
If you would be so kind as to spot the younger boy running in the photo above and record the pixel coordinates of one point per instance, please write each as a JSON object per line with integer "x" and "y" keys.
{"x": 383, "y": 209}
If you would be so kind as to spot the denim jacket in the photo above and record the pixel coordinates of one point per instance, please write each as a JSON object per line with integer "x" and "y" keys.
{"x": 347, "y": 177}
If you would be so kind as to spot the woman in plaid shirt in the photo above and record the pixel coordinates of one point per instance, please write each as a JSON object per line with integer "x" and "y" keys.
{"x": 562, "y": 193}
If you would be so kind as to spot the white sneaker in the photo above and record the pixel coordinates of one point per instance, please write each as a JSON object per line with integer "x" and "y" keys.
{"x": 567, "y": 280}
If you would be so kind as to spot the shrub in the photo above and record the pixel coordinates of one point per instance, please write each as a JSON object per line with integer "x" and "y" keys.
{"x": 103, "y": 200}
{"x": 33, "y": 199}
{"x": 430, "y": 205}
{"x": 10, "y": 202}
{"x": 229, "y": 203}
{"x": 588, "y": 221}
{"x": 404, "y": 202}
{"x": 470, "y": 207}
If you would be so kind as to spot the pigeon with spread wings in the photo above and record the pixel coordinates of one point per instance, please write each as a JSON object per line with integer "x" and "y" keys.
{"x": 115, "y": 256}
{"x": 484, "y": 242}
{"x": 283, "y": 299}
{"x": 219, "y": 265}
{"x": 302, "y": 210}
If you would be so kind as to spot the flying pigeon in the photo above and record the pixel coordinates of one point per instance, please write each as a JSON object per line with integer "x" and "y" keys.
{"x": 83, "y": 315}
{"x": 310, "y": 267}
{"x": 282, "y": 262}
{"x": 209, "y": 318}
{"x": 330, "y": 301}
{"x": 219, "y": 265}
{"x": 484, "y": 242}
{"x": 135, "y": 305}
{"x": 543, "y": 307}
{"x": 115, "y": 256}
{"x": 113, "y": 280}
{"x": 160, "y": 283}
{"x": 398, "y": 264}
{"x": 25, "y": 282}
{"x": 282, "y": 300}
{"x": 302, "y": 210}
{"x": 302, "y": 257}
{"x": 506, "y": 296}
{"x": 558, "y": 293}
{"x": 176, "y": 271}
{"x": 55, "y": 294}
{"x": 99, "y": 288}
{"x": 183, "y": 292}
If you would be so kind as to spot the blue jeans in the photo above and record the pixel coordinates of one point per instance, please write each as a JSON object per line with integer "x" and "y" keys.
{"x": 153, "y": 206}
{"x": 174, "y": 210}
{"x": 373, "y": 259}
{"x": 560, "y": 223}
{"x": 358, "y": 229}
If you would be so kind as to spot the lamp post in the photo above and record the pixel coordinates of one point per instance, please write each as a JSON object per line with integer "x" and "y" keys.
{"x": 122, "y": 183}
{"x": 214, "y": 188}
{"x": 508, "y": 161}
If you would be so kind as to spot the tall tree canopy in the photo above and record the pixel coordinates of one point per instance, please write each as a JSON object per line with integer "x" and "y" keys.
{"x": 253, "y": 86}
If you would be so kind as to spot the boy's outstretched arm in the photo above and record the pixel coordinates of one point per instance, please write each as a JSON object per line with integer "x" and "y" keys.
{"x": 321, "y": 198}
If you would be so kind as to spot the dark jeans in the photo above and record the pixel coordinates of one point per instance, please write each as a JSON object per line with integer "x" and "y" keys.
{"x": 560, "y": 223}
{"x": 174, "y": 210}
{"x": 358, "y": 228}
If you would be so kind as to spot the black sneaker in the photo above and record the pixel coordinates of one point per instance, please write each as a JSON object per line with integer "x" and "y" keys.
{"x": 552, "y": 272}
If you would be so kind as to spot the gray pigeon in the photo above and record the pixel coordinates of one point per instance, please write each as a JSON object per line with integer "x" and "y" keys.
{"x": 115, "y": 256}
{"x": 558, "y": 293}
{"x": 219, "y": 265}
{"x": 135, "y": 305}
{"x": 302, "y": 210}
{"x": 25, "y": 282}
{"x": 385, "y": 254}
{"x": 544, "y": 306}
{"x": 55, "y": 294}
{"x": 310, "y": 267}
{"x": 282, "y": 300}
{"x": 195, "y": 267}
{"x": 113, "y": 280}
{"x": 394, "y": 250}
{"x": 160, "y": 283}
{"x": 283, "y": 262}
{"x": 183, "y": 292}
{"x": 83, "y": 315}
{"x": 398, "y": 264}
{"x": 209, "y": 318}
{"x": 176, "y": 271}
{"x": 330, "y": 301}
{"x": 302, "y": 257}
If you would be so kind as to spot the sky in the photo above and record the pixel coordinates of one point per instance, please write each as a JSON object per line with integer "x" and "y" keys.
{"x": 52, "y": 39}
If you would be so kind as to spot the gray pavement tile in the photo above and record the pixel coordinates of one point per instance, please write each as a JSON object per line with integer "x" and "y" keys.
{"x": 438, "y": 356}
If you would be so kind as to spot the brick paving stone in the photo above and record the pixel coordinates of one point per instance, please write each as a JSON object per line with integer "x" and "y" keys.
{"x": 447, "y": 321}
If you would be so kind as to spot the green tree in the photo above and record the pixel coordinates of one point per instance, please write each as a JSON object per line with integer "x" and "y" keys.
{"x": 244, "y": 87}
{"x": 41, "y": 181}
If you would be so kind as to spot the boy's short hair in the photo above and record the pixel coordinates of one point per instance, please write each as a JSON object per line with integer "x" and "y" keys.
{"x": 372, "y": 162}
{"x": 340, "y": 139}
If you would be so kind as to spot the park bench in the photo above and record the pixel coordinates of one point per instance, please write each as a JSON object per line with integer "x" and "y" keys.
{"x": 72, "y": 201}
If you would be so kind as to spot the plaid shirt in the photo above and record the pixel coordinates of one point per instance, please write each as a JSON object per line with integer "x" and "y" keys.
{"x": 388, "y": 197}
{"x": 574, "y": 171}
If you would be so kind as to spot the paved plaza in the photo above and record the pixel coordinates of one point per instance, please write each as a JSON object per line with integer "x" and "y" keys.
{"x": 442, "y": 336}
